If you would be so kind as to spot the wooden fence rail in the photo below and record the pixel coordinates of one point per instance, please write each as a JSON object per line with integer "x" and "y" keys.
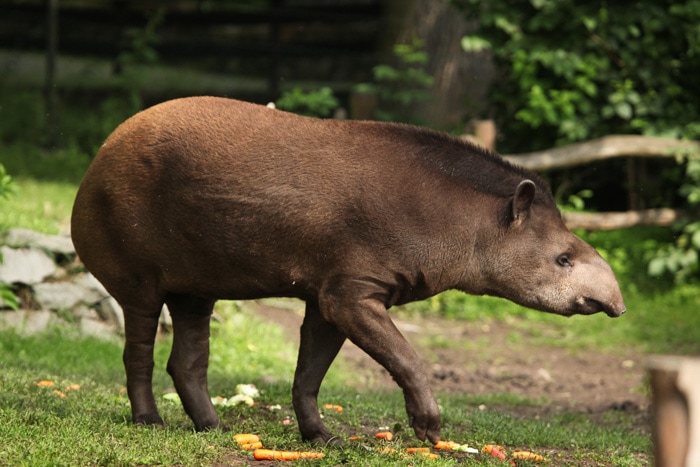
{"x": 605, "y": 148}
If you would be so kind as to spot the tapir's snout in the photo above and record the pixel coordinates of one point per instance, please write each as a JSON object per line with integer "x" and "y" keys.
{"x": 615, "y": 310}
{"x": 601, "y": 291}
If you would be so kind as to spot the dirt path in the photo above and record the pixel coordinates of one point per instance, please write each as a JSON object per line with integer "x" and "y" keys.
{"x": 477, "y": 359}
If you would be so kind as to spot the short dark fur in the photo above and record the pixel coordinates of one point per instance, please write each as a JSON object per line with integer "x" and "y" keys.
{"x": 200, "y": 199}
{"x": 462, "y": 160}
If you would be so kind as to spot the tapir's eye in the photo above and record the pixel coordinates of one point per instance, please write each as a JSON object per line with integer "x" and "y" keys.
{"x": 564, "y": 261}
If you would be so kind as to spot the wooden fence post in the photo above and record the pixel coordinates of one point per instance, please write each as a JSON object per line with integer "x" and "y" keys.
{"x": 675, "y": 384}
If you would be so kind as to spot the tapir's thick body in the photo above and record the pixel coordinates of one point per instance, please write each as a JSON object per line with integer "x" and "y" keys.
{"x": 200, "y": 199}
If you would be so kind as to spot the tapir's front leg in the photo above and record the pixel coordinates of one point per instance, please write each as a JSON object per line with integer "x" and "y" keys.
{"x": 356, "y": 308}
{"x": 320, "y": 343}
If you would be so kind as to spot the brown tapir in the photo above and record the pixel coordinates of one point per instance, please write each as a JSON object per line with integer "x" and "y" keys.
{"x": 204, "y": 198}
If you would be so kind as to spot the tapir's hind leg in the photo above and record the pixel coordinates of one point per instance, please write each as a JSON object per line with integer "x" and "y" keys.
{"x": 189, "y": 358}
{"x": 320, "y": 343}
{"x": 140, "y": 327}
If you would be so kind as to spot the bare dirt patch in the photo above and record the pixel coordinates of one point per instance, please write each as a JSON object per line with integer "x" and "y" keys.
{"x": 475, "y": 358}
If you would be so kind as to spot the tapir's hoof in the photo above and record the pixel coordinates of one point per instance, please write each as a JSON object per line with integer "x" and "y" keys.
{"x": 213, "y": 426}
{"x": 151, "y": 419}
{"x": 324, "y": 440}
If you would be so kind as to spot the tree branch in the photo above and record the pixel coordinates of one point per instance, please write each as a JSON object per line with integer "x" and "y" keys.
{"x": 603, "y": 148}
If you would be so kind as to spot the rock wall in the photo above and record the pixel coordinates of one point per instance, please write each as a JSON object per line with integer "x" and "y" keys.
{"x": 53, "y": 287}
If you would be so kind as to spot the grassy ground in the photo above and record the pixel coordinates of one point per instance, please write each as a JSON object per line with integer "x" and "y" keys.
{"x": 90, "y": 425}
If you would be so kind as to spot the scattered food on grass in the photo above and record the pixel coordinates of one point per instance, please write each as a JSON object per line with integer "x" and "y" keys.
{"x": 247, "y": 390}
{"x": 173, "y": 397}
{"x": 45, "y": 384}
{"x": 73, "y": 387}
{"x": 243, "y": 438}
{"x": 336, "y": 407}
{"x": 273, "y": 455}
{"x": 415, "y": 450}
{"x": 244, "y": 394}
{"x": 251, "y": 446}
{"x": 59, "y": 393}
{"x": 386, "y": 435}
{"x": 457, "y": 447}
{"x": 447, "y": 445}
{"x": 527, "y": 455}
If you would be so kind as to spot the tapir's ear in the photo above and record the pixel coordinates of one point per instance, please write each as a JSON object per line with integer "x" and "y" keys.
{"x": 522, "y": 200}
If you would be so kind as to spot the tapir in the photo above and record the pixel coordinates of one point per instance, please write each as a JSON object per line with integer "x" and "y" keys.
{"x": 203, "y": 198}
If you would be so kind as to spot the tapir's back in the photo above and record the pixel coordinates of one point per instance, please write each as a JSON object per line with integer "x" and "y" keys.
{"x": 228, "y": 184}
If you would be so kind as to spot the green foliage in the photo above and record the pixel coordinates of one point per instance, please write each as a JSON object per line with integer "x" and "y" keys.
{"x": 41, "y": 206}
{"x": 6, "y": 184}
{"x": 7, "y": 295}
{"x": 22, "y": 132}
{"x": 580, "y": 70}
{"x": 319, "y": 103}
{"x": 141, "y": 48}
{"x": 402, "y": 85}
{"x": 680, "y": 258}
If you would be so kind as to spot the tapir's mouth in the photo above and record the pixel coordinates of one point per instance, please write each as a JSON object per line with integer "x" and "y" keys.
{"x": 589, "y": 306}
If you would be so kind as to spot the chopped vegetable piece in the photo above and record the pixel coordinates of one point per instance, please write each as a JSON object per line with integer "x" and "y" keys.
{"x": 245, "y": 438}
{"x": 387, "y": 435}
{"x": 527, "y": 455}
{"x": 273, "y": 455}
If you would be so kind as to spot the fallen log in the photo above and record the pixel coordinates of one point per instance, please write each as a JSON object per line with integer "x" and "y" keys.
{"x": 603, "y": 148}
{"x": 620, "y": 220}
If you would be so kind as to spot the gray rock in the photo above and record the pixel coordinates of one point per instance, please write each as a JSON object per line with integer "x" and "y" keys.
{"x": 25, "y": 266}
{"x": 27, "y": 321}
{"x": 96, "y": 328}
{"x": 23, "y": 238}
{"x": 110, "y": 311}
{"x": 90, "y": 282}
{"x": 63, "y": 295}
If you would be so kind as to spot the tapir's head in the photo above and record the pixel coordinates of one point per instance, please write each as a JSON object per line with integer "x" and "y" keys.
{"x": 537, "y": 262}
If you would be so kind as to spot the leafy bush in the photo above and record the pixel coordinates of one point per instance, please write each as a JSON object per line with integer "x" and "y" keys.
{"x": 319, "y": 103}
{"x": 580, "y": 70}
{"x": 679, "y": 258}
{"x": 401, "y": 85}
{"x": 7, "y": 295}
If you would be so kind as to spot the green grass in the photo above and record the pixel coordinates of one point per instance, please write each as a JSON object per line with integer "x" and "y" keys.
{"x": 44, "y": 206}
{"x": 91, "y": 426}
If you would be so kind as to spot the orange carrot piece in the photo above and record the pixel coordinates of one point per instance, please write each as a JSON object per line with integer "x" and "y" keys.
{"x": 245, "y": 438}
{"x": 387, "y": 435}
{"x": 495, "y": 451}
{"x": 417, "y": 450}
{"x": 250, "y": 446}
{"x": 446, "y": 445}
{"x": 336, "y": 407}
{"x": 527, "y": 455}
{"x": 273, "y": 455}
{"x": 387, "y": 450}
{"x": 355, "y": 438}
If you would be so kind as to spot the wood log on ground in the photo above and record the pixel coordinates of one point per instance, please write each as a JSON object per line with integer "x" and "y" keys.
{"x": 675, "y": 384}
{"x": 603, "y": 148}
{"x": 620, "y": 220}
